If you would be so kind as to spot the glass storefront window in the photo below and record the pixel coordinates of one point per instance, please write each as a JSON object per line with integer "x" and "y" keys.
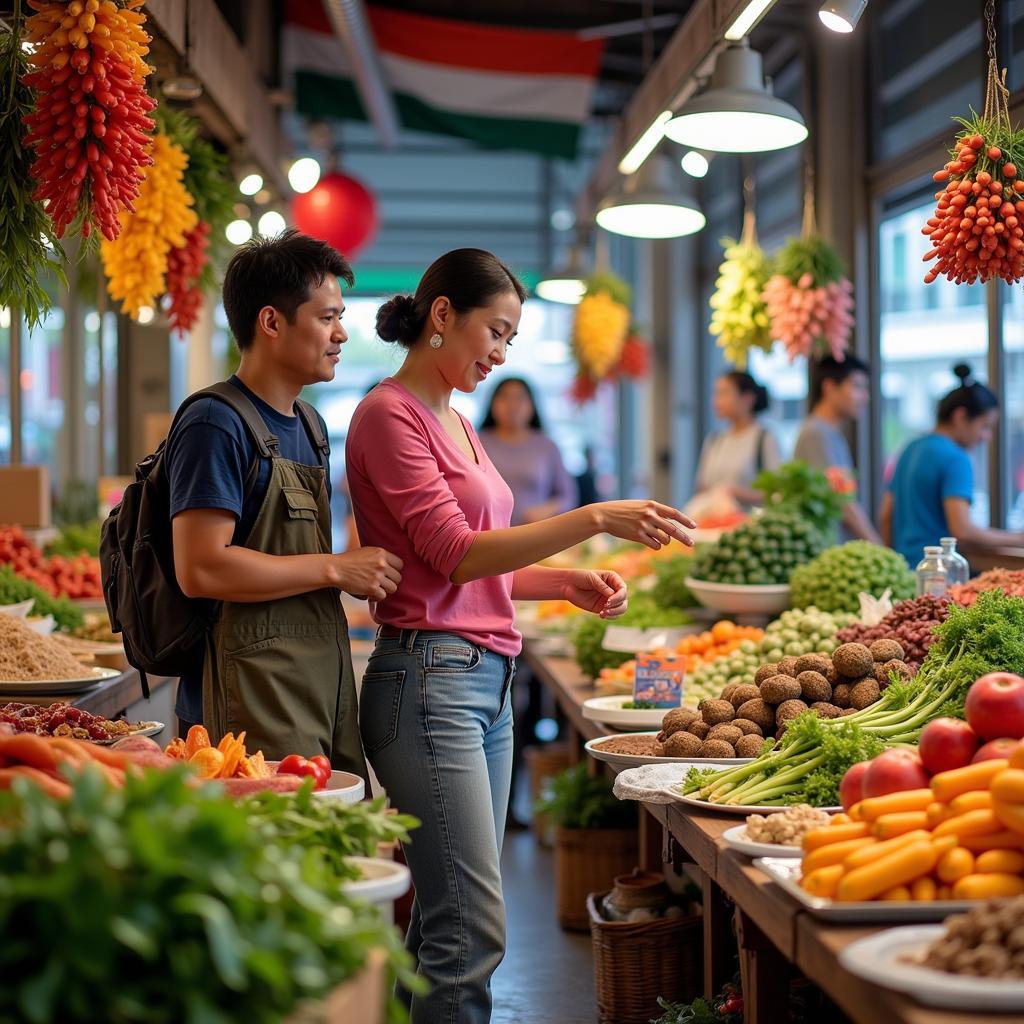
{"x": 1013, "y": 397}
{"x": 924, "y": 331}
{"x": 42, "y": 397}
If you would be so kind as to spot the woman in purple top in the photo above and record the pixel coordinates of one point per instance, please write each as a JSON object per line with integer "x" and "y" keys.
{"x": 527, "y": 459}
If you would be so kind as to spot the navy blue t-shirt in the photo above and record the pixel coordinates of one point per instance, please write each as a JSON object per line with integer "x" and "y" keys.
{"x": 208, "y": 457}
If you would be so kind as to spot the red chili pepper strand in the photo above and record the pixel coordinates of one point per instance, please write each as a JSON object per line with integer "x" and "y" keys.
{"x": 89, "y": 129}
{"x": 185, "y": 266}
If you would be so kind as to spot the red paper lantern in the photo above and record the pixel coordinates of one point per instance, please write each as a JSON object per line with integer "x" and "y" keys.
{"x": 339, "y": 210}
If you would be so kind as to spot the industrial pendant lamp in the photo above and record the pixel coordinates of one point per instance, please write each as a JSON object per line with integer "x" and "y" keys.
{"x": 652, "y": 204}
{"x": 737, "y": 114}
{"x": 841, "y": 15}
{"x": 565, "y": 282}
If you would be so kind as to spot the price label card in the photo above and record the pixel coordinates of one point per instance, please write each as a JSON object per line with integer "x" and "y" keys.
{"x": 659, "y": 680}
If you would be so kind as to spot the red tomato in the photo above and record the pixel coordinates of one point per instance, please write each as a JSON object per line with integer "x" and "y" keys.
{"x": 1002, "y": 747}
{"x": 995, "y": 706}
{"x": 894, "y": 771}
{"x": 851, "y": 789}
{"x": 324, "y": 764}
{"x": 294, "y": 764}
{"x": 945, "y": 744}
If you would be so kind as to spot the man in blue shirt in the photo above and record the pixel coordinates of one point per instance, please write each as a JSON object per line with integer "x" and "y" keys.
{"x": 253, "y": 532}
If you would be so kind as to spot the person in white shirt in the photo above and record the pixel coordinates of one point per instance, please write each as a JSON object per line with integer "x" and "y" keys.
{"x": 731, "y": 458}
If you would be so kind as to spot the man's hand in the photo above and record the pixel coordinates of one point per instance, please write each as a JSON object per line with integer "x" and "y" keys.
{"x": 368, "y": 573}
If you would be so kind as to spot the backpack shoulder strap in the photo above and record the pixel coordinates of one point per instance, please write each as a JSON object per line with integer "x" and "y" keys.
{"x": 266, "y": 440}
{"x": 312, "y": 422}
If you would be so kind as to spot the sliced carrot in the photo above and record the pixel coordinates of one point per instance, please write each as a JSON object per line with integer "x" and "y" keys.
{"x": 1002, "y": 840}
{"x": 976, "y": 800}
{"x": 954, "y": 864}
{"x": 834, "y": 853}
{"x": 901, "y": 867}
{"x": 889, "y": 825}
{"x": 823, "y": 881}
{"x": 970, "y": 823}
{"x": 900, "y": 894}
{"x": 818, "y": 837}
{"x": 882, "y": 848}
{"x": 923, "y": 889}
{"x": 1000, "y": 862}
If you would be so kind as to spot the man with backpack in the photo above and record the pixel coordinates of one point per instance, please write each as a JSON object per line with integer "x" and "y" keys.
{"x": 246, "y": 465}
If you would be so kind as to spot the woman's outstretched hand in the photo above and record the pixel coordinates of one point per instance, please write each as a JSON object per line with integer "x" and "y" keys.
{"x": 648, "y": 522}
{"x": 599, "y": 591}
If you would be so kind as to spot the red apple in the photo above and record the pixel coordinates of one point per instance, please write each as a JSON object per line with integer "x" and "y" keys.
{"x": 894, "y": 771}
{"x": 1002, "y": 747}
{"x": 945, "y": 744}
{"x": 995, "y": 706}
{"x": 851, "y": 789}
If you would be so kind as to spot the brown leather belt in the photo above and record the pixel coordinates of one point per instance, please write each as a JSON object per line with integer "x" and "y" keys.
{"x": 389, "y": 632}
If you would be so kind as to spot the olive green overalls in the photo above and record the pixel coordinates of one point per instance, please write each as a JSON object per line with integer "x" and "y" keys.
{"x": 282, "y": 670}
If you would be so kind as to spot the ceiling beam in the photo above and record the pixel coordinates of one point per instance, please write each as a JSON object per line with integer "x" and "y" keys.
{"x": 671, "y": 80}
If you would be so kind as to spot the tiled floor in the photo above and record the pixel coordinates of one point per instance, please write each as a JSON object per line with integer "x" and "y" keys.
{"x": 547, "y": 974}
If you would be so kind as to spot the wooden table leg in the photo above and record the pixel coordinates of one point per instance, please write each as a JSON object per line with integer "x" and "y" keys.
{"x": 719, "y": 946}
{"x": 766, "y": 975}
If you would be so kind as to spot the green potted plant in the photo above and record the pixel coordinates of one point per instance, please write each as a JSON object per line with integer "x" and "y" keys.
{"x": 595, "y": 839}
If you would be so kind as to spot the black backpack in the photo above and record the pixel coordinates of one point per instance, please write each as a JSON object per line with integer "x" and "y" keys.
{"x": 163, "y": 630}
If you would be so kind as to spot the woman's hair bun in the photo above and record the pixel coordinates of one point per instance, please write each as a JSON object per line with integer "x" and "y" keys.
{"x": 963, "y": 371}
{"x": 397, "y": 320}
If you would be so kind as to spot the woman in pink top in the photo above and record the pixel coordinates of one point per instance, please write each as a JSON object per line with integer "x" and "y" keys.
{"x": 435, "y": 716}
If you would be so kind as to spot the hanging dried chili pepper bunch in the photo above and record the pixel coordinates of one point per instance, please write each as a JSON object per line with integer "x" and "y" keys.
{"x": 185, "y": 266}
{"x": 601, "y": 324}
{"x": 136, "y": 261}
{"x": 207, "y": 180}
{"x": 89, "y": 129}
{"x": 634, "y": 360}
{"x": 809, "y": 300}
{"x": 976, "y": 231}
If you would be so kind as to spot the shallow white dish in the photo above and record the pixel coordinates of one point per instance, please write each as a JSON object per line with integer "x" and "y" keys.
{"x": 90, "y": 677}
{"x": 786, "y": 874}
{"x": 593, "y": 748}
{"x": 744, "y": 809}
{"x": 878, "y": 959}
{"x": 151, "y": 729}
{"x": 733, "y": 599}
{"x": 382, "y": 881}
{"x": 736, "y": 839}
{"x": 342, "y": 786}
{"x": 609, "y": 711}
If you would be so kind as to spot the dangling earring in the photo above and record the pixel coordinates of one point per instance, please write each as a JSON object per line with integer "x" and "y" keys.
{"x": 436, "y": 341}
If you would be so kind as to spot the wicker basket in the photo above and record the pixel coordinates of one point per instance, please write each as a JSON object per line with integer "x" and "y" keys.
{"x": 635, "y": 962}
{"x": 586, "y": 860}
{"x": 545, "y": 762}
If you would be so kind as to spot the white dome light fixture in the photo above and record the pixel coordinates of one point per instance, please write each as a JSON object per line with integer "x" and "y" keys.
{"x": 737, "y": 114}
{"x": 303, "y": 174}
{"x": 652, "y": 204}
{"x": 564, "y": 283}
{"x": 842, "y": 15}
{"x": 238, "y": 232}
{"x": 695, "y": 163}
{"x": 271, "y": 224}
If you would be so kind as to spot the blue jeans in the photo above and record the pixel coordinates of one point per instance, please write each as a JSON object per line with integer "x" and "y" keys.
{"x": 436, "y": 720}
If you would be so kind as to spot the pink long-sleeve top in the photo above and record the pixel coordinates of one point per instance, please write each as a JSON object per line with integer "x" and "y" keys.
{"x": 416, "y": 493}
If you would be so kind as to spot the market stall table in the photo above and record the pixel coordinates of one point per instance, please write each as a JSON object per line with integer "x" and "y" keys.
{"x": 775, "y": 933}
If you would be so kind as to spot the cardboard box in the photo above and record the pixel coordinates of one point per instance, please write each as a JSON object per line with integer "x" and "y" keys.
{"x": 25, "y": 497}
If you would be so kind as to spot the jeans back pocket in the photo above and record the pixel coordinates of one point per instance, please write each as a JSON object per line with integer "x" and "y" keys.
{"x": 380, "y": 706}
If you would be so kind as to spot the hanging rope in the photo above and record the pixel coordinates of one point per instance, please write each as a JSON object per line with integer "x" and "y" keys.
{"x": 810, "y": 223}
{"x": 749, "y": 236}
{"x": 997, "y": 95}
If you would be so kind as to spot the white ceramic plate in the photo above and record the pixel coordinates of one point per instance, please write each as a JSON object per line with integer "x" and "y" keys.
{"x": 382, "y": 881}
{"x": 744, "y": 809}
{"x": 609, "y": 711}
{"x": 593, "y": 748}
{"x": 741, "y": 600}
{"x": 89, "y": 678}
{"x": 736, "y": 839}
{"x": 786, "y": 873}
{"x": 879, "y": 959}
{"x": 151, "y": 729}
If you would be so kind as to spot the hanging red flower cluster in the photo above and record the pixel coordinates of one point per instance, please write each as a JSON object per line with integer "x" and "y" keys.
{"x": 89, "y": 129}
{"x": 185, "y": 267}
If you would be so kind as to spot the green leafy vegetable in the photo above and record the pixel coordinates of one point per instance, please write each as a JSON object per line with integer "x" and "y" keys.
{"x": 74, "y": 540}
{"x": 833, "y": 580}
{"x": 670, "y": 589}
{"x": 805, "y": 490}
{"x": 160, "y": 903}
{"x": 14, "y": 590}
{"x": 29, "y": 250}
